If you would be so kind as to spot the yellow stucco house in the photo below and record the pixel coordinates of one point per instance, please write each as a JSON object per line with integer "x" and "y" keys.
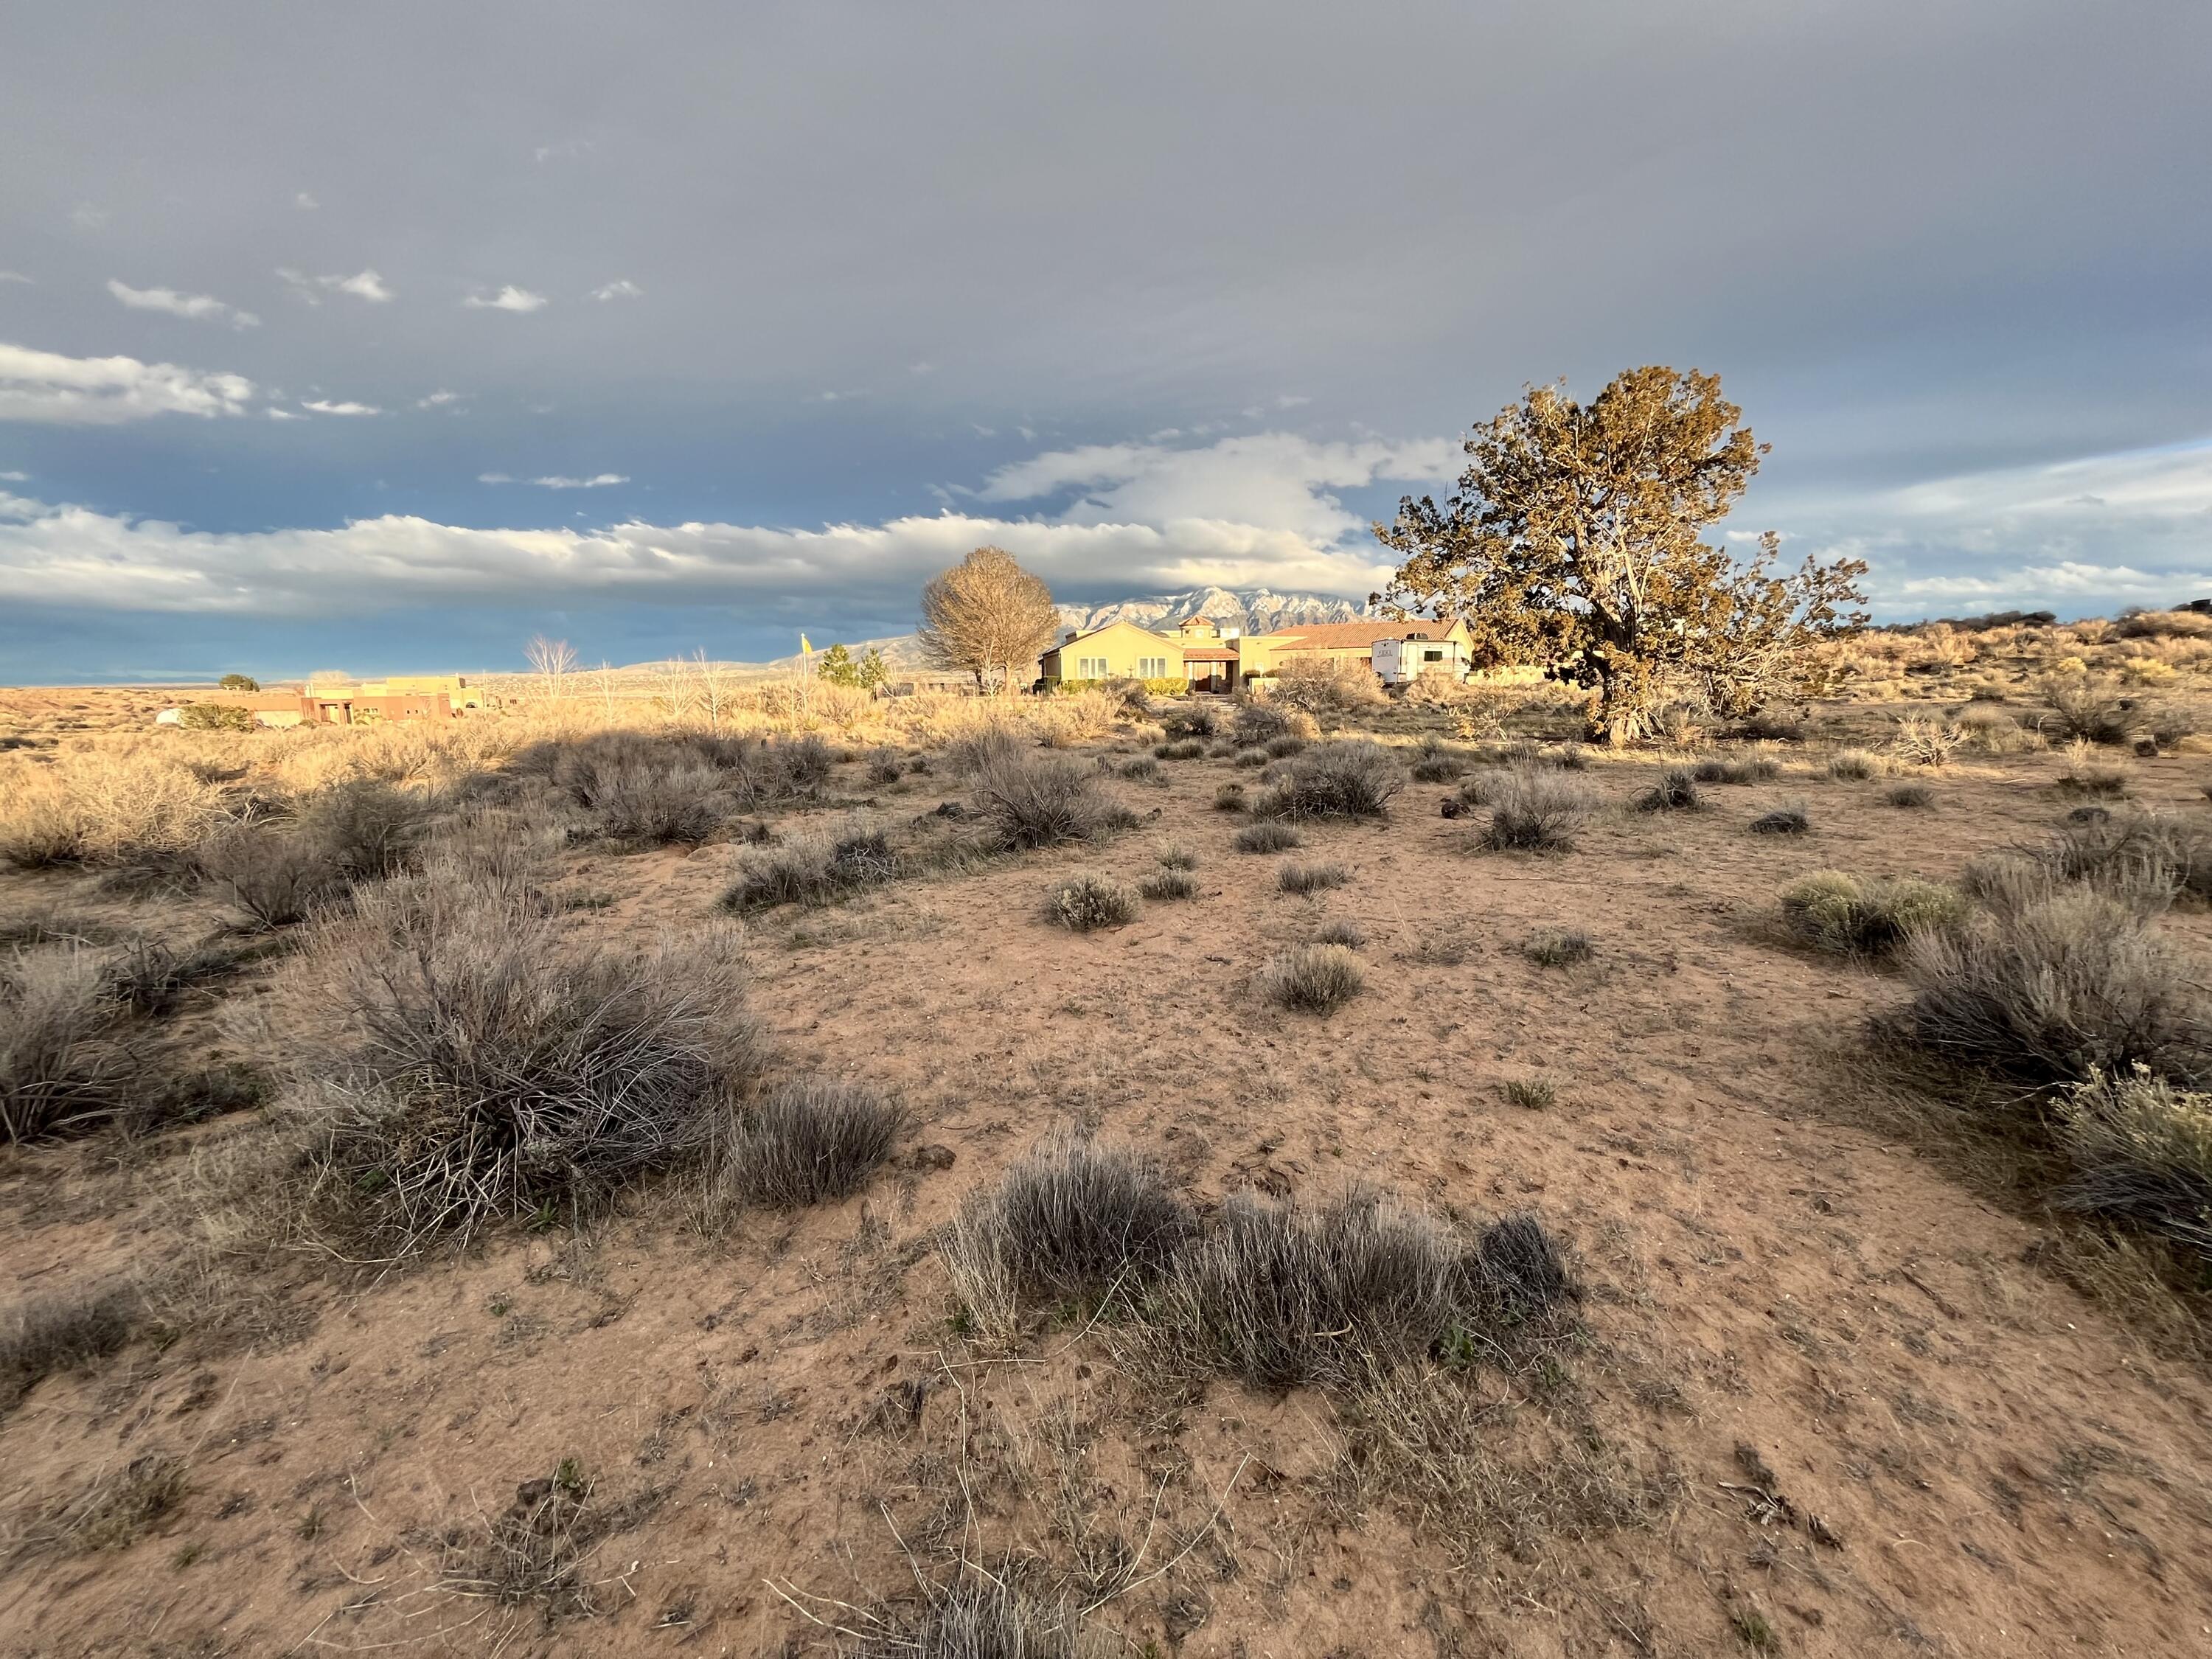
{"x": 1196, "y": 650}
{"x": 1396, "y": 653}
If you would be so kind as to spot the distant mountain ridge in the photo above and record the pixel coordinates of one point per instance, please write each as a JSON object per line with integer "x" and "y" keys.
{"x": 1247, "y": 609}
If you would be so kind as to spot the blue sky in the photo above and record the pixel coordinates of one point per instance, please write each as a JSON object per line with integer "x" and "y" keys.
{"x": 381, "y": 338}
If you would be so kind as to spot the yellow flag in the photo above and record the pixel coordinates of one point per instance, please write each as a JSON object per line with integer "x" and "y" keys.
{"x": 805, "y": 649}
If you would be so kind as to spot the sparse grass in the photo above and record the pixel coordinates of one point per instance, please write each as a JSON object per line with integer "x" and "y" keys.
{"x": 116, "y": 1508}
{"x": 1855, "y": 916}
{"x": 469, "y": 1060}
{"x": 1350, "y": 934}
{"x": 1169, "y": 886}
{"x": 1311, "y": 878}
{"x": 810, "y": 1141}
{"x": 1313, "y": 979}
{"x": 1028, "y": 801}
{"x": 67, "y": 1057}
{"x": 1759, "y": 769}
{"x": 1085, "y": 903}
{"x": 1532, "y": 1094}
{"x": 1268, "y": 836}
{"x": 979, "y": 1616}
{"x": 1909, "y": 796}
{"x": 1675, "y": 792}
{"x": 1755, "y": 1630}
{"x": 1558, "y": 947}
{"x": 1353, "y": 778}
{"x": 1782, "y": 821}
{"x": 2057, "y": 984}
{"x": 1532, "y": 810}
{"x": 2141, "y": 1151}
{"x": 812, "y": 867}
{"x": 60, "y": 1333}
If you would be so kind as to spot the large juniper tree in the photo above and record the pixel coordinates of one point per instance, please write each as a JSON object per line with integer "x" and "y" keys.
{"x": 1575, "y": 540}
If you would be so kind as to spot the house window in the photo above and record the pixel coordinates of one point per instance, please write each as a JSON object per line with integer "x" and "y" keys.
{"x": 1090, "y": 668}
{"x": 1432, "y": 656}
{"x": 1152, "y": 668}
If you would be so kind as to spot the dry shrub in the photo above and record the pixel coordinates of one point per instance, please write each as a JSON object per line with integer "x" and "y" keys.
{"x": 1350, "y": 779}
{"x": 1177, "y": 857}
{"x": 1311, "y": 878}
{"x": 2141, "y": 1151}
{"x": 368, "y": 830}
{"x": 1029, "y": 800}
{"x": 1856, "y": 916}
{"x": 1229, "y": 798}
{"x": 2140, "y": 856}
{"x": 1072, "y": 1219}
{"x": 1143, "y": 770}
{"x": 885, "y": 767}
{"x": 1086, "y": 903}
{"x": 1313, "y": 979}
{"x": 60, "y": 1333}
{"x": 1267, "y": 836}
{"x": 813, "y": 867}
{"x": 1349, "y": 934}
{"x": 1281, "y": 1295}
{"x": 980, "y": 1616}
{"x": 276, "y": 877}
{"x": 68, "y": 1059}
{"x": 1759, "y": 769}
{"x": 111, "y": 806}
{"x": 2088, "y": 774}
{"x": 1853, "y": 766}
{"x": 465, "y": 1061}
{"x": 1284, "y": 747}
{"x": 1169, "y": 884}
{"x": 2055, "y": 984}
{"x": 1783, "y": 821}
{"x": 1435, "y": 763}
{"x": 114, "y": 1508}
{"x": 1317, "y": 686}
{"x": 810, "y": 1141}
{"x": 1187, "y": 749}
{"x": 1993, "y": 732}
{"x": 1532, "y": 810}
{"x": 1558, "y": 947}
{"x": 534, "y": 1552}
{"x": 2089, "y": 710}
{"x": 1195, "y": 720}
{"x": 1910, "y": 796}
{"x": 1921, "y": 741}
{"x": 1257, "y": 723}
{"x": 1675, "y": 792}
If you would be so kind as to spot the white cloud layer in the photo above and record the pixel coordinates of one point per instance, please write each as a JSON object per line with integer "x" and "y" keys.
{"x": 199, "y": 307}
{"x": 50, "y": 388}
{"x": 621, "y": 289}
{"x": 598, "y": 480}
{"x": 362, "y": 285}
{"x": 509, "y": 298}
{"x": 344, "y": 407}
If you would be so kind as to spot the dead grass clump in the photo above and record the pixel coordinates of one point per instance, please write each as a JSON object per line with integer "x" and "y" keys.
{"x": 1436, "y": 763}
{"x": 1783, "y": 821}
{"x": 2139, "y": 856}
{"x": 886, "y": 766}
{"x": 2088, "y": 774}
{"x": 2058, "y": 985}
{"x": 1993, "y": 732}
{"x": 1532, "y": 810}
{"x": 1920, "y": 740}
{"x": 1911, "y": 797}
{"x": 1074, "y": 1219}
{"x": 1350, "y": 934}
{"x": 1756, "y": 771}
{"x": 1143, "y": 770}
{"x": 1028, "y": 799}
{"x": 1311, "y": 878}
{"x": 1187, "y": 749}
{"x": 1169, "y": 884}
{"x": 810, "y": 1141}
{"x": 1354, "y": 778}
{"x": 114, "y": 1508}
{"x": 1175, "y": 856}
{"x": 368, "y": 830}
{"x": 58, "y": 1334}
{"x": 465, "y": 1061}
{"x": 108, "y": 807}
{"x": 980, "y": 1616}
{"x": 1088, "y": 903}
{"x": 2141, "y": 1151}
{"x": 1229, "y": 798}
{"x": 68, "y": 1059}
{"x": 1856, "y": 916}
{"x": 1313, "y": 979}
{"x": 534, "y": 1552}
{"x": 2087, "y": 710}
{"x": 1257, "y": 724}
{"x": 1675, "y": 792}
{"x": 1558, "y": 947}
{"x": 276, "y": 877}
{"x": 1853, "y": 766}
{"x": 812, "y": 867}
{"x": 1194, "y": 719}
{"x": 1268, "y": 836}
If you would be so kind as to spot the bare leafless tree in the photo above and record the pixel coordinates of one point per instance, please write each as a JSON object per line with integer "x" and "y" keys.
{"x": 987, "y": 616}
{"x": 553, "y": 661}
{"x": 714, "y": 687}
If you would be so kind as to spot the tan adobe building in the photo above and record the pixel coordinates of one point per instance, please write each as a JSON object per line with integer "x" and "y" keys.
{"x": 1396, "y": 652}
{"x": 1214, "y": 659}
{"x": 405, "y": 697}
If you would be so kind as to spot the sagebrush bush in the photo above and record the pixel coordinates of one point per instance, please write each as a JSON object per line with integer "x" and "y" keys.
{"x": 1675, "y": 792}
{"x": 1258, "y": 723}
{"x": 886, "y": 766}
{"x": 1267, "y": 836}
{"x": 465, "y": 1059}
{"x": 1355, "y": 778}
{"x": 68, "y": 1058}
{"x": 1169, "y": 884}
{"x": 1313, "y": 979}
{"x": 368, "y": 828}
{"x": 1532, "y": 810}
{"x": 1177, "y": 857}
{"x": 1028, "y": 799}
{"x": 2054, "y": 984}
{"x": 1229, "y": 798}
{"x": 809, "y": 1141}
{"x": 2134, "y": 854}
{"x": 1858, "y": 916}
{"x": 1195, "y": 720}
{"x": 1782, "y": 821}
{"x": 813, "y": 867}
{"x": 1434, "y": 764}
{"x": 1085, "y": 903}
{"x": 2086, "y": 710}
{"x": 2142, "y": 1150}
{"x": 60, "y": 1333}
{"x": 1284, "y": 747}
{"x": 1143, "y": 770}
{"x": 276, "y": 877}
{"x": 1187, "y": 749}
{"x": 1311, "y": 878}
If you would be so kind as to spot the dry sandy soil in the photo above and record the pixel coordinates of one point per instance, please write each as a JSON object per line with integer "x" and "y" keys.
{"x": 1843, "y": 1404}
